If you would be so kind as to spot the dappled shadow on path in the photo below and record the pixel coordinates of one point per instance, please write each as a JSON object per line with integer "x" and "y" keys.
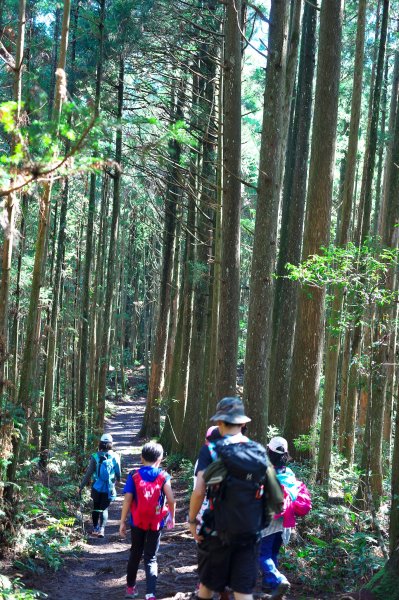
{"x": 100, "y": 571}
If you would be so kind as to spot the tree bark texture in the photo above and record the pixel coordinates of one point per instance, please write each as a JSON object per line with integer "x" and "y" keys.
{"x": 84, "y": 333}
{"x": 231, "y": 206}
{"x": 333, "y": 338}
{"x": 111, "y": 270}
{"x": 265, "y": 238}
{"x": 151, "y": 422}
{"x": 308, "y": 346}
{"x": 293, "y": 210}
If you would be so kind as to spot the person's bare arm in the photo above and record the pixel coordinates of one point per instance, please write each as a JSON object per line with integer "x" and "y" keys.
{"x": 196, "y": 500}
{"x": 125, "y": 511}
{"x": 167, "y": 488}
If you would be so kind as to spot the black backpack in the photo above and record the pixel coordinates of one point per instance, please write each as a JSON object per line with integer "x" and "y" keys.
{"x": 236, "y": 491}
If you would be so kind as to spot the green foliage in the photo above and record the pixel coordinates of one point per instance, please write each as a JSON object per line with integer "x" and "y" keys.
{"x": 42, "y": 147}
{"x": 49, "y": 547}
{"x": 362, "y": 273}
{"x": 183, "y": 467}
{"x": 15, "y": 590}
{"x": 334, "y": 545}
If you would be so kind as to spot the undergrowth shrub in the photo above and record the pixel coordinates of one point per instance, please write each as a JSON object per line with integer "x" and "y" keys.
{"x": 334, "y": 547}
{"x": 184, "y": 469}
{"x": 47, "y": 548}
{"x": 15, "y": 590}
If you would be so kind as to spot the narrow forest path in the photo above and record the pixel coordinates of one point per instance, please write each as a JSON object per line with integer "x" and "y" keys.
{"x": 100, "y": 571}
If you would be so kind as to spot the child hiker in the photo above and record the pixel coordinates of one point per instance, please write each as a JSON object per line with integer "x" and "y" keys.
{"x": 145, "y": 492}
{"x": 296, "y": 502}
{"x": 104, "y": 470}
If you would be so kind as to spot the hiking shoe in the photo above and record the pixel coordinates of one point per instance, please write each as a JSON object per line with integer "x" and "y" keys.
{"x": 149, "y": 597}
{"x": 101, "y": 532}
{"x": 96, "y": 531}
{"x": 131, "y": 592}
{"x": 280, "y": 591}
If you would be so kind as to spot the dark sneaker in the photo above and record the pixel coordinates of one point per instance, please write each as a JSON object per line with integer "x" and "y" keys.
{"x": 280, "y": 591}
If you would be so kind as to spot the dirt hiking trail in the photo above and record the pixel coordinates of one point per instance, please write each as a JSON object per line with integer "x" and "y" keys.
{"x": 99, "y": 572}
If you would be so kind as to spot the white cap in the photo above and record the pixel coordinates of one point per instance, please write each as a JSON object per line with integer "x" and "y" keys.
{"x": 106, "y": 437}
{"x": 278, "y": 444}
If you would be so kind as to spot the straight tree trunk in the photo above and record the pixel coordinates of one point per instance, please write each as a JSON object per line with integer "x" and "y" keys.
{"x": 231, "y": 207}
{"x": 308, "y": 346}
{"x": 11, "y": 202}
{"x": 111, "y": 275}
{"x": 24, "y": 396}
{"x": 52, "y": 334}
{"x": 265, "y": 239}
{"x": 371, "y": 462}
{"x": 333, "y": 339}
{"x": 293, "y": 210}
{"x": 364, "y": 223}
{"x": 151, "y": 421}
{"x": 197, "y": 363}
{"x": 84, "y": 333}
{"x": 210, "y": 395}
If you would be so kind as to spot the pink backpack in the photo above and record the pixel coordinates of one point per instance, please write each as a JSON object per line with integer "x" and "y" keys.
{"x": 303, "y": 503}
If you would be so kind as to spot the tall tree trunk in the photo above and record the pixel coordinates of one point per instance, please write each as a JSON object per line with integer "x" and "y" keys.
{"x": 210, "y": 395}
{"x": 52, "y": 334}
{"x": 265, "y": 240}
{"x": 111, "y": 274}
{"x": 366, "y": 196}
{"x": 11, "y": 202}
{"x": 293, "y": 210}
{"x": 57, "y": 262}
{"x": 333, "y": 339}
{"x": 231, "y": 206}
{"x": 308, "y": 346}
{"x": 151, "y": 421}
{"x": 371, "y": 462}
{"x": 196, "y": 382}
{"x": 24, "y": 396}
{"x": 84, "y": 333}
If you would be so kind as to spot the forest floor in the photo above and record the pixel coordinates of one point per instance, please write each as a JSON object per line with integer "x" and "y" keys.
{"x": 100, "y": 570}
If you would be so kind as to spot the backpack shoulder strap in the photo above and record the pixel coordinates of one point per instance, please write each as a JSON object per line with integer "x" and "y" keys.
{"x": 162, "y": 476}
{"x": 212, "y": 451}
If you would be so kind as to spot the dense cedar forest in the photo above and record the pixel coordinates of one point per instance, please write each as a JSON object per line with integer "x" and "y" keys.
{"x": 205, "y": 193}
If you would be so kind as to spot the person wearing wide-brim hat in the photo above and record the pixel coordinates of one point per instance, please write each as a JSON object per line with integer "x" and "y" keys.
{"x": 220, "y": 565}
{"x": 102, "y": 492}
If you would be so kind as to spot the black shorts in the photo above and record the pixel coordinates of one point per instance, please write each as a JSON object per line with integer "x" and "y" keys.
{"x": 233, "y": 565}
{"x": 100, "y": 500}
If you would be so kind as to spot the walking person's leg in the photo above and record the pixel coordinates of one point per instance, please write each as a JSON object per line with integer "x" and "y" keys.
{"x": 104, "y": 504}
{"x": 270, "y": 573}
{"x": 277, "y": 542}
{"x": 95, "y": 515}
{"x": 151, "y": 547}
{"x": 268, "y": 560}
{"x": 244, "y": 570}
{"x": 136, "y": 552}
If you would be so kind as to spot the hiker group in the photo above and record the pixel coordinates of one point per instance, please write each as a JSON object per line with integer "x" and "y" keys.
{"x": 242, "y": 509}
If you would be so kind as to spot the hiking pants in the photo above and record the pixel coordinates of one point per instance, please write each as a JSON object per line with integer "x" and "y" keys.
{"x": 147, "y": 542}
{"x": 101, "y": 503}
{"x": 268, "y": 559}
